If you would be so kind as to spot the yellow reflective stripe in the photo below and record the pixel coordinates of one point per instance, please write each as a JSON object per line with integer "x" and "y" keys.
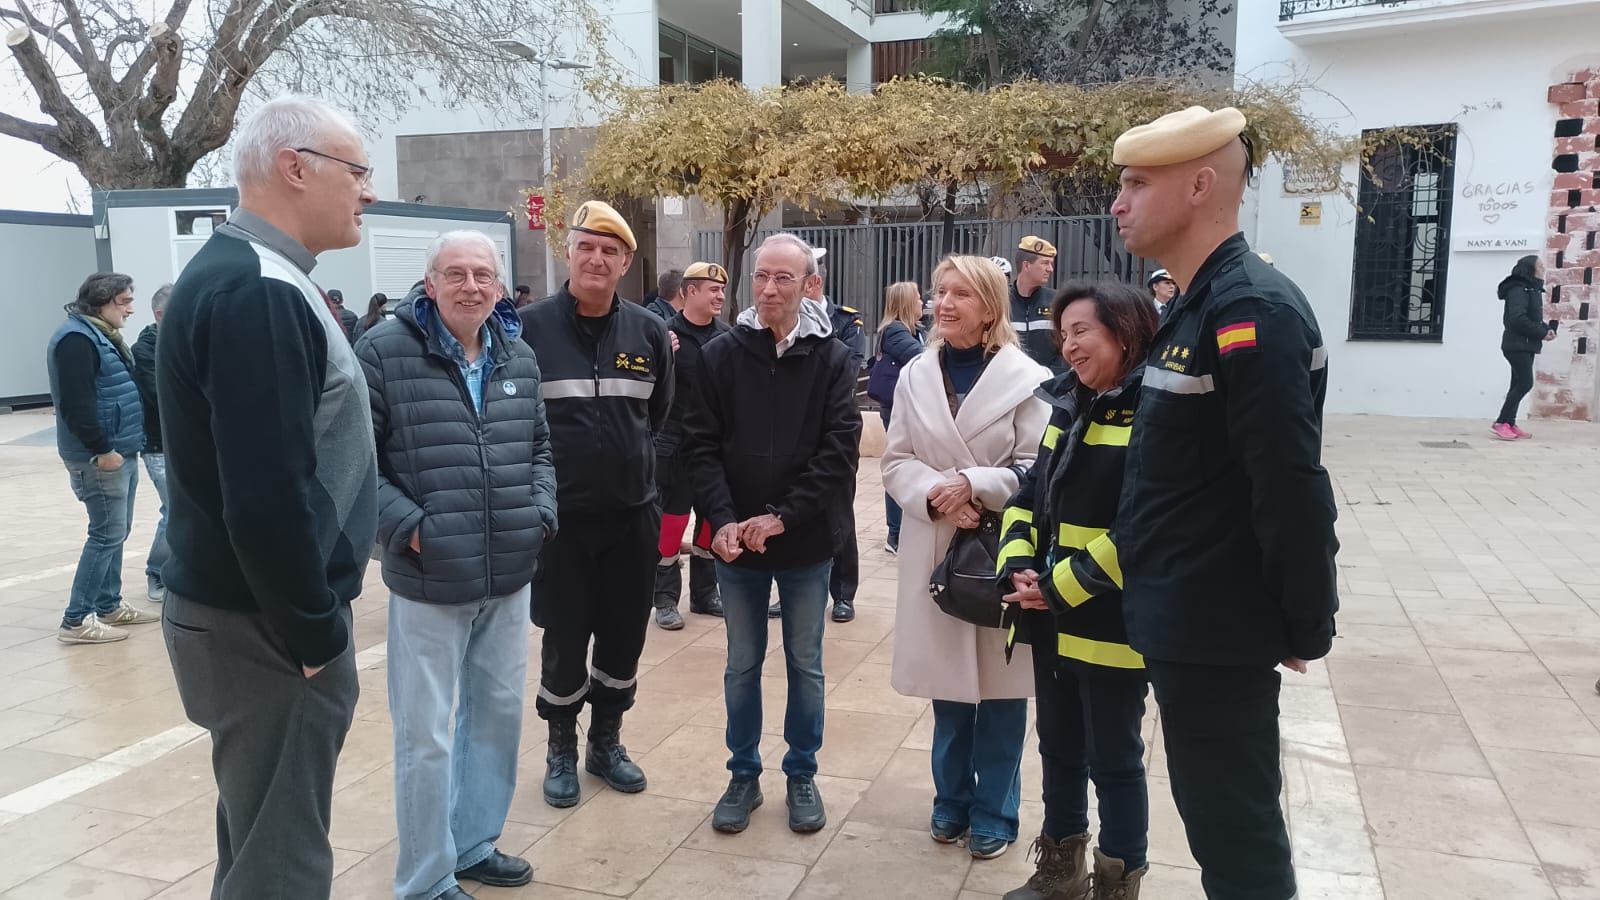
{"x": 1011, "y": 635}
{"x": 1108, "y": 435}
{"x": 1018, "y": 548}
{"x": 1101, "y": 653}
{"x": 1033, "y": 536}
{"x": 1067, "y": 584}
{"x": 1105, "y": 553}
{"x": 1051, "y": 434}
{"x": 1077, "y": 537}
{"x": 1013, "y": 515}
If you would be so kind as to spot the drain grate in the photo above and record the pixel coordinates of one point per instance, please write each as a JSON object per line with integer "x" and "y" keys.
{"x": 1445, "y": 445}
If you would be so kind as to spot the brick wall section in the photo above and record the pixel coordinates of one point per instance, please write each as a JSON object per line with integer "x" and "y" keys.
{"x": 1565, "y": 385}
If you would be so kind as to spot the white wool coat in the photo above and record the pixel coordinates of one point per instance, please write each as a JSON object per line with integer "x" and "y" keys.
{"x": 998, "y": 425}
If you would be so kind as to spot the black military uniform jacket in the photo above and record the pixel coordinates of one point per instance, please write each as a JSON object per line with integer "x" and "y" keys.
{"x": 1059, "y": 524}
{"x": 1030, "y": 316}
{"x": 846, "y": 323}
{"x": 604, "y": 400}
{"x": 1226, "y": 535}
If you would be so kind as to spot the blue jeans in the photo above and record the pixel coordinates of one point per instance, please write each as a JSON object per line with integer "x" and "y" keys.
{"x": 803, "y": 596}
{"x": 451, "y": 801}
{"x": 891, "y": 509}
{"x": 977, "y": 765}
{"x": 1089, "y": 718}
{"x": 108, "y": 496}
{"x": 155, "y": 465}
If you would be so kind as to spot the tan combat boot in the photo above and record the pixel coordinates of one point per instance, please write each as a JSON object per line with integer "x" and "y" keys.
{"x": 1111, "y": 882}
{"x": 1062, "y": 872}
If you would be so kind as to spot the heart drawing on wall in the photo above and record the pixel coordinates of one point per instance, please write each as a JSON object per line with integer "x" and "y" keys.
{"x": 1492, "y": 218}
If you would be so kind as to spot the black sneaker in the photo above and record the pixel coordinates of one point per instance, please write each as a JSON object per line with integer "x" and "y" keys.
{"x": 742, "y": 797}
{"x": 844, "y": 610}
{"x": 805, "y": 806}
{"x": 668, "y": 618}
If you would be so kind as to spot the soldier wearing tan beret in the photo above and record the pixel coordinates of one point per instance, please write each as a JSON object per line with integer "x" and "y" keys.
{"x": 607, "y": 372}
{"x": 1035, "y": 265}
{"x": 1226, "y": 541}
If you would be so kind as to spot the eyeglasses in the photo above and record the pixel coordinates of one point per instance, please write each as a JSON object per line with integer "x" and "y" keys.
{"x": 458, "y": 277}
{"x": 781, "y": 279}
{"x": 362, "y": 173}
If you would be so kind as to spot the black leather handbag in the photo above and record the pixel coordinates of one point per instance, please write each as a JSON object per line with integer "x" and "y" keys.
{"x": 964, "y": 583}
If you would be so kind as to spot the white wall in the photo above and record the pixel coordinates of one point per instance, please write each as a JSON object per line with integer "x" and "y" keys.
{"x": 1489, "y": 77}
{"x": 44, "y": 264}
{"x": 352, "y": 270}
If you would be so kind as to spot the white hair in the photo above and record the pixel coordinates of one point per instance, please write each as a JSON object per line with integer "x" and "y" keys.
{"x": 462, "y": 238}
{"x": 786, "y": 239}
{"x": 292, "y": 121}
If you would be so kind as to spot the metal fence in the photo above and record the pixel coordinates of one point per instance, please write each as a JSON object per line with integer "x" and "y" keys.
{"x": 863, "y": 260}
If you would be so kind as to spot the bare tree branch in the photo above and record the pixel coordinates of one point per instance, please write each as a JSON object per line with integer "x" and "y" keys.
{"x": 53, "y": 34}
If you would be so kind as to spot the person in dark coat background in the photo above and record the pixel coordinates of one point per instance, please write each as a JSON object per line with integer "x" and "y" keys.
{"x": 899, "y": 342}
{"x": 155, "y": 461}
{"x": 1525, "y": 333}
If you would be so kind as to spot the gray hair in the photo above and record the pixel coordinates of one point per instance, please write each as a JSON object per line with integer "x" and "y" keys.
{"x": 786, "y": 239}
{"x": 288, "y": 122}
{"x": 158, "y": 300}
{"x": 459, "y": 238}
{"x": 100, "y": 289}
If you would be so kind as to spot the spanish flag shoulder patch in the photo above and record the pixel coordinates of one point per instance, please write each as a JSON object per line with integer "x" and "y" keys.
{"x": 1238, "y": 336}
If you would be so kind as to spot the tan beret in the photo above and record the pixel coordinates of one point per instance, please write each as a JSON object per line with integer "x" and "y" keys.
{"x": 597, "y": 217}
{"x": 706, "y": 271}
{"x": 1038, "y": 246}
{"x": 1178, "y": 137}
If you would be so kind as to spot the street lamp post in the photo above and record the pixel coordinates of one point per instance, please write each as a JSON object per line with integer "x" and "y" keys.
{"x": 521, "y": 50}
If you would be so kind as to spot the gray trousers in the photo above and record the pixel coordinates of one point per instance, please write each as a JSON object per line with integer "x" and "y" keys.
{"x": 275, "y": 739}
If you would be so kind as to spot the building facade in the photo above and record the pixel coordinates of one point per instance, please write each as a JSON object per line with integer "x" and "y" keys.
{"x": 486, "y": 158}
{"x": 1483, "y": 118}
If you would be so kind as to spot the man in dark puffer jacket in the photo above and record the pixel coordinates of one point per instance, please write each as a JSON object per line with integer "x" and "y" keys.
{"x": 466, "y": 499}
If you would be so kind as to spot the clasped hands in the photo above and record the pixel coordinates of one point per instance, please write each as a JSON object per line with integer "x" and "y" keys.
{"x": 732, "y": 539}
{"x": 952, "y": 501}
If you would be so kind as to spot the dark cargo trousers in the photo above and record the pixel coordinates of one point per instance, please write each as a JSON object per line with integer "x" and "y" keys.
{"x": 594, "y": 583}
{"x": 1220, "y": 727}
{"x": 275, "y": 739}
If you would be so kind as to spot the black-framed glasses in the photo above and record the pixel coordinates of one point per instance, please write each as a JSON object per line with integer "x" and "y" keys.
{"x": 364, "y": 173}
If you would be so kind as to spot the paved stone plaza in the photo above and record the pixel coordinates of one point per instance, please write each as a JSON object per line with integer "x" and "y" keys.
{"x": 1447, "y": 750}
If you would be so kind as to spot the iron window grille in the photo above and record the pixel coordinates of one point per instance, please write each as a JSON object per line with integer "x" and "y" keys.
{"x": 1288, "y": 9}
{"x": 1402, "y": 249}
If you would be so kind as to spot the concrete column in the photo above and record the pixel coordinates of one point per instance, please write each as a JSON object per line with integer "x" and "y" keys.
{"x": 761, "y": 42}
{"x": 858, "y": 68}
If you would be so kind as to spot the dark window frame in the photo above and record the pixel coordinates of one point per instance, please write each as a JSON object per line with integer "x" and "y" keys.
{"x": 1402, "y": 241}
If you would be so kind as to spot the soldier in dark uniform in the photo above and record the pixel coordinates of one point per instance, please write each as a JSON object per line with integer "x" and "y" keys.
{"x": 846, "y": 574}
{"x": 1227, "y": 543}
{"x": 1035, "y": 265}
{"x": 702, "y": 288}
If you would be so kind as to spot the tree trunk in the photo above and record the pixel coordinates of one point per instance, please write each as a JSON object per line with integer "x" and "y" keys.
{"x": 737, "y": 232}
{"x": 947, "y": 242}
{"x": 1091, "y": 21}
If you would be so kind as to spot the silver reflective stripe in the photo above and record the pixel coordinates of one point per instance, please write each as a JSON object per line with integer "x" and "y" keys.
{"x": 1035, "y": 325}
{"x": 1319, "y": 358}
{"x": 626, "y": 387}
{"x": 568, "y": 700}
{"x": 613, "y": 683}
{"x": 1174, "y": 383}
{"x": 570, "y": 388}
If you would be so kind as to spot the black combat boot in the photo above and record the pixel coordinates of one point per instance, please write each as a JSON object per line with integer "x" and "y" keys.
{"x": 704, "y": 598}
{"x": 561, "y": 764}
{"x": 606, "y": 757}
{"x": 669, "y": 586}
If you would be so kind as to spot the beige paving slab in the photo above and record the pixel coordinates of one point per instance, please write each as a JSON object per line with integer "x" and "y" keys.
{"x": 1424, "y": 875}
{"x": 1389, "y": 686}
{"x": 717, "y": 876}
{"x": 1442, "y": 813}
{"x": 769, "y": 837}
{"x": 1529, "y": 723}
{"x": 867, "y": 860}
{"x": 77, "y": 881}
{"x": 1426, "y": 742}
{"x": 1548, "y": 787}
{"x": 35, "y": 844}
{"x": 584, "y": 851}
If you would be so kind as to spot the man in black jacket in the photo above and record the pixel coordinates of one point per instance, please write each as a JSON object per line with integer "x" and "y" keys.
{"x": 703, "y": 288}
{"x": 273, "y": 496}
{"x": 773, "y": 448}
{"x": 1035, "y": 264}
{"x": 1226, "y": 541}
{"x": 155, "y": 462}
{"x": 461, "y": 435}
{"x": 607, "y": 367}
